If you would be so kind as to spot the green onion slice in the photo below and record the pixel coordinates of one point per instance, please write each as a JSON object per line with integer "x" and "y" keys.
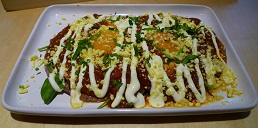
{"x": 103, "y": 104}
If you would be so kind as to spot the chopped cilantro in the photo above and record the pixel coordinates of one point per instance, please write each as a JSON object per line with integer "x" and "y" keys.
{"x": 84, "y": 44}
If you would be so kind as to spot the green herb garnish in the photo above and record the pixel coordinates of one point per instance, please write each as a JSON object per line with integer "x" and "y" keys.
{"x": 105, "y": 58}
{"x": 150, "y": 29}
{"x": 117, "y": 83}
{"x": 59, "y": 81}
{"x": 36, "y": 68}
{"x": 131, "y": 104}
{"x": 209, "y": 86}
{"x": 86, "y": 63}
{"x": 130, "y": 22}
{"x": 104, "y": 104}
{"x": 43, "y": 48}
{"x": 189, "y": 58}
{"x": 116, "y": 55}
{"x": 159, "y": 22}
{"x": 49, "y": 66}
{"x": 84, "y": 44}
{"x": 138, "y": 37}
{"x": 133, "y": 19}
{"x": 111, "y": 29}
{"x": 69, "y": 45}
{"x": 117, "y": 44}
{"x": 147, "y": 61}
{"x": 136, "y": 53}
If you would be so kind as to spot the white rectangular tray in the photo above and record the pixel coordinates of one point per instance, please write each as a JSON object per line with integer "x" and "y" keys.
{"x": 56, "y": 17}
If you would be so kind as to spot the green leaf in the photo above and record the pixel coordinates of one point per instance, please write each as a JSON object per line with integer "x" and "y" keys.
{"x": 47, "y": 92}
{"x": 189, "y": 58}
{"x": 104, "y": 104}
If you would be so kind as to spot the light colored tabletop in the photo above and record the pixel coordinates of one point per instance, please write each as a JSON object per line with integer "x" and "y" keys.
{"x": 238, "y": 17}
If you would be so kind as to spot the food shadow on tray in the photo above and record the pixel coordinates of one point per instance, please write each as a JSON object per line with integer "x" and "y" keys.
{"x": 130, "y": 119}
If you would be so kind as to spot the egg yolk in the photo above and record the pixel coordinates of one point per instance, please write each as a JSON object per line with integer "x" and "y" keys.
{"x": 163, "y": 40}
{"x": 106, "y": 41}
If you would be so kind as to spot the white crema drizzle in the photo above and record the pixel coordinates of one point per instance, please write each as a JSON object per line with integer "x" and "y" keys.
{"x": 76, "y": 93}
{"x": 134, "y": 85}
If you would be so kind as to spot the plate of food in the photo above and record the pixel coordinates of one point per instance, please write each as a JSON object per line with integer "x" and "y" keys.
{"x": 96, "y": 60}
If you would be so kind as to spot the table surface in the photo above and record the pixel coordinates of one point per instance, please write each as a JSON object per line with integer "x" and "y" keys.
{"x": 238, "y": 17}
